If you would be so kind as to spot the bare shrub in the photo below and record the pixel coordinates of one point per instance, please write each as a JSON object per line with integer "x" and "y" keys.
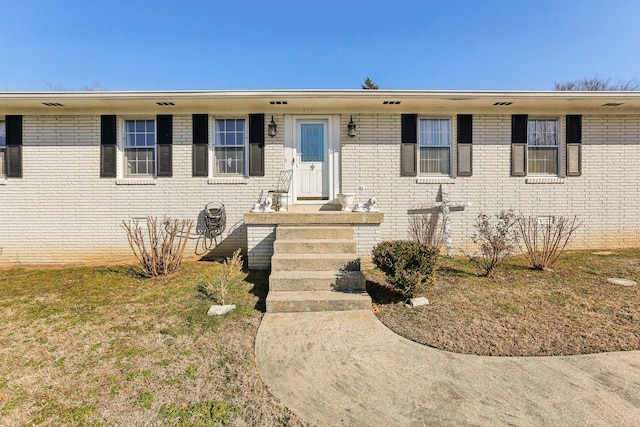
{"x": 158, "y": 248}
{"x": 544, "y": 242}
{"x": 230, "y": 275}
{"x": 427, "y": 229}
{"x": 496, "y": 240}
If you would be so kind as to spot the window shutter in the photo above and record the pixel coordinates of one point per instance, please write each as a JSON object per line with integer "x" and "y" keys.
{"x": 108, "y": 144}
{"x": 256, "y": 144}
{"x": 13, "y": 126}
{"x": 200, "y": 153}
{"x": 574, "y": 145}
{"x": 409, "y": 146}
{"x": 164, "y": 135}
{"x": 464, "y": 147}
{"x": 519, "y": 144}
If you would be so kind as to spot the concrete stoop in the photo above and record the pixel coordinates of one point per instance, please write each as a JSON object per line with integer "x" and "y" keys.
{"x": 316, "y": 268}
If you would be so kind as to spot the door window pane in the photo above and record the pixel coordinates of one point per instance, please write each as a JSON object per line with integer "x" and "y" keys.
{"x": 312, "y": 142}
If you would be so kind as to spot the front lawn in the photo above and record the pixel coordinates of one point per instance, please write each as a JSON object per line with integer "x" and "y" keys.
{"x": 523, "y": 312}
{"x": 105, "y": 346}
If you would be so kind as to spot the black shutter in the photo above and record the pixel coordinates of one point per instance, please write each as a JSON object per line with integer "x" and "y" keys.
{"x": 519, "y": 144}
{"x": 164, "y": 135}
{"x": 256, "y": 144}
{"x": 13, "y": 126}
{"x": 108, "y": 144}
{"x": 409, "y": 146}
{"x": 519, "y": 128}
{"x": 464, "y": 148}
{"x": 574, "y": 129}
{"x": 200, "y": 153}
{"x": 574, "y": 145}
{"x": 465, "y": 128}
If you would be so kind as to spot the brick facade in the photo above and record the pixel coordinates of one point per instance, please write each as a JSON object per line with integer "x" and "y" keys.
{"x": 62, "y": 211}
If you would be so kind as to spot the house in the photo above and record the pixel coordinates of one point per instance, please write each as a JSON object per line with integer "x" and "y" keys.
{"x": 75, "y": 165}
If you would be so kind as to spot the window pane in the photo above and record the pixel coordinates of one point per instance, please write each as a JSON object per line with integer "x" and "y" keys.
{"x": 1, "y": 162}
{"x": 543, "y": 160}
{"x": 312, "y": 142}
{"x": 3, "y": 134}
{"x": 542, "y": 132}
{"x": 434, "y": 132}
{"x": 435, "y": 160}
{"x": 229, "y": 160}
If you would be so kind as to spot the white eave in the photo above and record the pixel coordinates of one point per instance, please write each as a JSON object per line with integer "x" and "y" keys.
{"x": 320, "y": 102}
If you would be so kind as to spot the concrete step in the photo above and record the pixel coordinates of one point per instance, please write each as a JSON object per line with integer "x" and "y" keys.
{"x": 345, "y": 281}
{"x": 316, "y": 246}
{"x": 306, "y": 301}
{"x": 313, "y": 232}
{"x": 315, "y": 262}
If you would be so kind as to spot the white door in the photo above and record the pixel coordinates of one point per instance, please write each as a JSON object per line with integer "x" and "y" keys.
{"x": 312, "y": 171}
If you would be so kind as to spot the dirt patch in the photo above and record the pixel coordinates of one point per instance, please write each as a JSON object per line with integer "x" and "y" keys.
{"x": 523, "y": 312}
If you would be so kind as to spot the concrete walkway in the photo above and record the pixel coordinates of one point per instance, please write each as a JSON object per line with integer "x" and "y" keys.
{"x": 348, "y": 369}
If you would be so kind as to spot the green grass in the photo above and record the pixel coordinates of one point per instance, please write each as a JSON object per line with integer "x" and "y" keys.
{"x": 102, "y": 345}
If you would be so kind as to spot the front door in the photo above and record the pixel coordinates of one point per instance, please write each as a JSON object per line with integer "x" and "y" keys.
{"x": 312, "y": 171}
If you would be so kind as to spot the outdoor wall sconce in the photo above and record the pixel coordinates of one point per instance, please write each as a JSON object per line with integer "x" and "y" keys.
{"x": 272, "y": 128}
{"x": 352, "y": 128}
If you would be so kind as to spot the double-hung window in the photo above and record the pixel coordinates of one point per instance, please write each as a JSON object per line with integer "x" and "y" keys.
{"x": 435, "y": 146}
{"x": 140, "y": 147}
{"x": 3, "y": 146}
{"x": 229, "y": 146}
{"x": 542, "y": 143}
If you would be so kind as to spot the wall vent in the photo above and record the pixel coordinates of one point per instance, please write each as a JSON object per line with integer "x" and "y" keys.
{"x": 52, "y": 104}
{"x": 502, "y": 103}
{"x": 391, "y": 102}
{"x": 278, "y": 102}
{"x": 165, "y": 104}
{"x": 612, "y": 104}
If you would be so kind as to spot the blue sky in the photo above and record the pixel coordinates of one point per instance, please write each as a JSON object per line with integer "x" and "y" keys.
{"x": 325, "y": 44}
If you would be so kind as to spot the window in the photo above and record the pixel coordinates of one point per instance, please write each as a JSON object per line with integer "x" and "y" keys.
{"x": 3, "y": 146}
{"x": 229, "y": 146}
{"x": 435, "y": 146}
{"x": 140, "y": 147}
{"x": 542, "y": 142}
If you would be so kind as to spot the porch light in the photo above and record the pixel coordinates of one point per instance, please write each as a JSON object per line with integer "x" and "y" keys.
{"x": 272, "y": 128}
{"x": 352, "y": 128}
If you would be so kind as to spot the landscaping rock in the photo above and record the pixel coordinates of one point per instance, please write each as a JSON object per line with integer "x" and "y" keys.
{"x": 219, "y": 310}
{"x": 621, "y": 282}
{"x": 417, "y": 302}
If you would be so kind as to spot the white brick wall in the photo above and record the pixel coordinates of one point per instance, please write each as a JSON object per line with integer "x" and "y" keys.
{"x": 61, "y": 210}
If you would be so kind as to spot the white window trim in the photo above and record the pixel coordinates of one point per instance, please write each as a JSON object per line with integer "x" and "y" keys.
{"x": 444, "y": 176}
{"x": 559, "y": 143}
{"x": 121, "y": 177}
{"x": 227, "y": 178}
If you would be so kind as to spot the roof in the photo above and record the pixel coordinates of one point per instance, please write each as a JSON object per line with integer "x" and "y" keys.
{"x": 319, "y": 101}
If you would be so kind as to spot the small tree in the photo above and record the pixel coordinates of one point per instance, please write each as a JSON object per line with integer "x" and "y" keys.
{"x": 598, "y": 84}
{"x": 496, "y": 241}
{"x": 544, "y": 241}
{"x": 427, "y": 229}
{"x": 369, "y": 84}
{"x": 158, "y": 249}
{"x": 230, "y": 275}
{"x": 405, "y": 263}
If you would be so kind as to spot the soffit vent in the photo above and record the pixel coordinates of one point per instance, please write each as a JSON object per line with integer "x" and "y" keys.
{"x": 390, "y": 102}
{"x": 502, "y": 103}
{"x": 612, "y": 104}
{"x": 278, "y": 102}
{"x": 166, "y": 104}
{"x": 53, "y": 104}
